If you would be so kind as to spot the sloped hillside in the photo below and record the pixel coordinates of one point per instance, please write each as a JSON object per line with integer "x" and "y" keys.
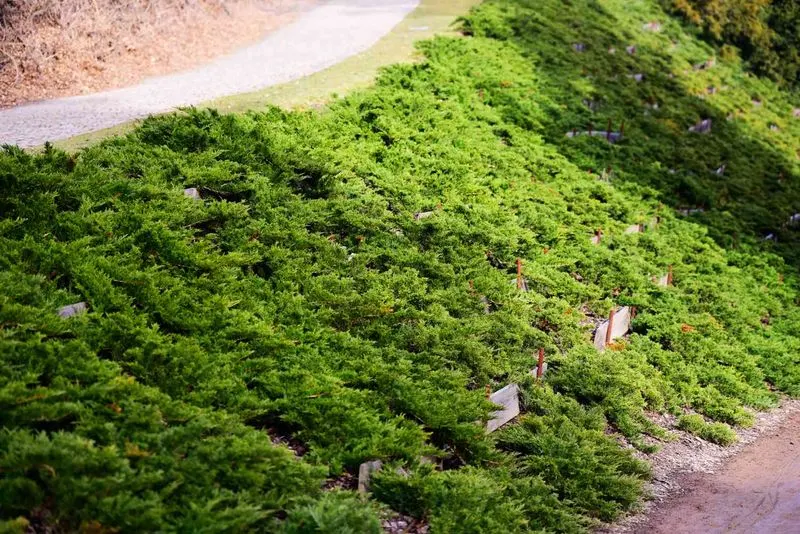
{"x": 344, "y": 286}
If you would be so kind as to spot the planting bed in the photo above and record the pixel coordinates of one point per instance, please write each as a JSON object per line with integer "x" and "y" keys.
{"x": 243, "y": 349}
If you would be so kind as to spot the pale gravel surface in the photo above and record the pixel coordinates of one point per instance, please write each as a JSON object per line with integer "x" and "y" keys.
{"x": 690, "y": 454}
{"x": 324, "y": 36}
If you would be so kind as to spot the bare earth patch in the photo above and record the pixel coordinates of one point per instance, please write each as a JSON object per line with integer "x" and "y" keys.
{"x": 55, "y": 48}
{"x": 699, "y": 486}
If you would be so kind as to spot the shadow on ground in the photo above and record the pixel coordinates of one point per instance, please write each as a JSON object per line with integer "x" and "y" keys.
{"x": 647, "y": 75}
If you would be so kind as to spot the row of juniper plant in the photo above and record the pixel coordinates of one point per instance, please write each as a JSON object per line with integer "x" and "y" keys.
{"x": 242, "y": 353}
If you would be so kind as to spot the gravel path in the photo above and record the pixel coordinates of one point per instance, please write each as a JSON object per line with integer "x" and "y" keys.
{"x": 757, "y": 492}
{"x": 324, "y": 36}
{"x": 699, "y": 487}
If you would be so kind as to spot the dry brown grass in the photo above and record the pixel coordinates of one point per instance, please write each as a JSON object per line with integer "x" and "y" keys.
{"x": 56, "y": 47}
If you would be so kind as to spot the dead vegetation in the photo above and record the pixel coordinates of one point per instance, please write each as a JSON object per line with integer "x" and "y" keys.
{"x": 56, "y": 47}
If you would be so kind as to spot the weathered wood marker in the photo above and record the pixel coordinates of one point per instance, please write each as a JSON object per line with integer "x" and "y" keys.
{"x": 73, "y": 309}
{"x": 365, "y": 471}
{"x": 192, "y": 193}
{"x": 508, "y": 398}
{"x": 617, "y": 325}
{"x": 635, "y": 229}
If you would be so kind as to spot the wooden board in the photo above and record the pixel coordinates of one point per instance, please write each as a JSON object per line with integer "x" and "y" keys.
{"x": 621, "y": 326}
{"x": 365, "y": 471}
{"x": 544, "y": 370}
{"x": 634, "y": 229}
{"x": 508, "y": 398}
{"x": 192, "y": 192}
{"x": 72, "y": 310}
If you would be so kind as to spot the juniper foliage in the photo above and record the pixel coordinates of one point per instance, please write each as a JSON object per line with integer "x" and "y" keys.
{"x": 301, "y": 301}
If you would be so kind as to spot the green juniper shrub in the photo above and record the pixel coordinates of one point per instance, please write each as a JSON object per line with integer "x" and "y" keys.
{"x": 345, "y": 289}
{"x": 334, "y": 512}
{"x": 719, "y": 433}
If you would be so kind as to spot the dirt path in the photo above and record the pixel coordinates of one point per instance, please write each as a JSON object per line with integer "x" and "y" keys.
{"x": 757, "y": 491}
{"x": 323, "y": 36}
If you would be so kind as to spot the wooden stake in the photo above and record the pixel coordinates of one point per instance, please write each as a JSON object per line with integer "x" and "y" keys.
{"x": 669, "y": 276}
{"x": 540, "y": 365}
{"x": 610, "y": 326}
{"x": 488, "y": 391}
{"x": 472, "y": 287}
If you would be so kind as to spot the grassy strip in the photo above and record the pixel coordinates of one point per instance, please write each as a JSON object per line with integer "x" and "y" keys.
{"x": 302, "y": 301}
{"x": 432, "y": 17}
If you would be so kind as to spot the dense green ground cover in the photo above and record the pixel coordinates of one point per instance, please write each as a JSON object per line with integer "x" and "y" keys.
{"x": 301, "y": 301}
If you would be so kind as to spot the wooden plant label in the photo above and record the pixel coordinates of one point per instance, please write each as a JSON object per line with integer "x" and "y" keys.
{"x": 365, "y": 471}
{"x": 705, "y": 64}
{"x": 536, "y": 373}
{"x": 73, "y": 309}
{"x": 192, "y": 193}
{"x": 691, "y": 211}
{"x": 611, "y": 137}
{"x": 704, "y": 126}
{"x": 635, "y": 229}
{"x": 617, "y": 325}
{"x": 508, "y": 398}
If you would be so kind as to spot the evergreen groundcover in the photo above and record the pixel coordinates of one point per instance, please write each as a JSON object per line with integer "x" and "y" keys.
{"x": 243, "y": 353}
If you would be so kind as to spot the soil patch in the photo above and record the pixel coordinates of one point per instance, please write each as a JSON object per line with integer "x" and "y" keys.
{"x": 752, "y": 486}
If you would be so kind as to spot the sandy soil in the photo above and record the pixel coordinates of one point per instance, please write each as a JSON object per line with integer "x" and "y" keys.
{"x": 759, "y": 491}
{"x": 751, "y": 487}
